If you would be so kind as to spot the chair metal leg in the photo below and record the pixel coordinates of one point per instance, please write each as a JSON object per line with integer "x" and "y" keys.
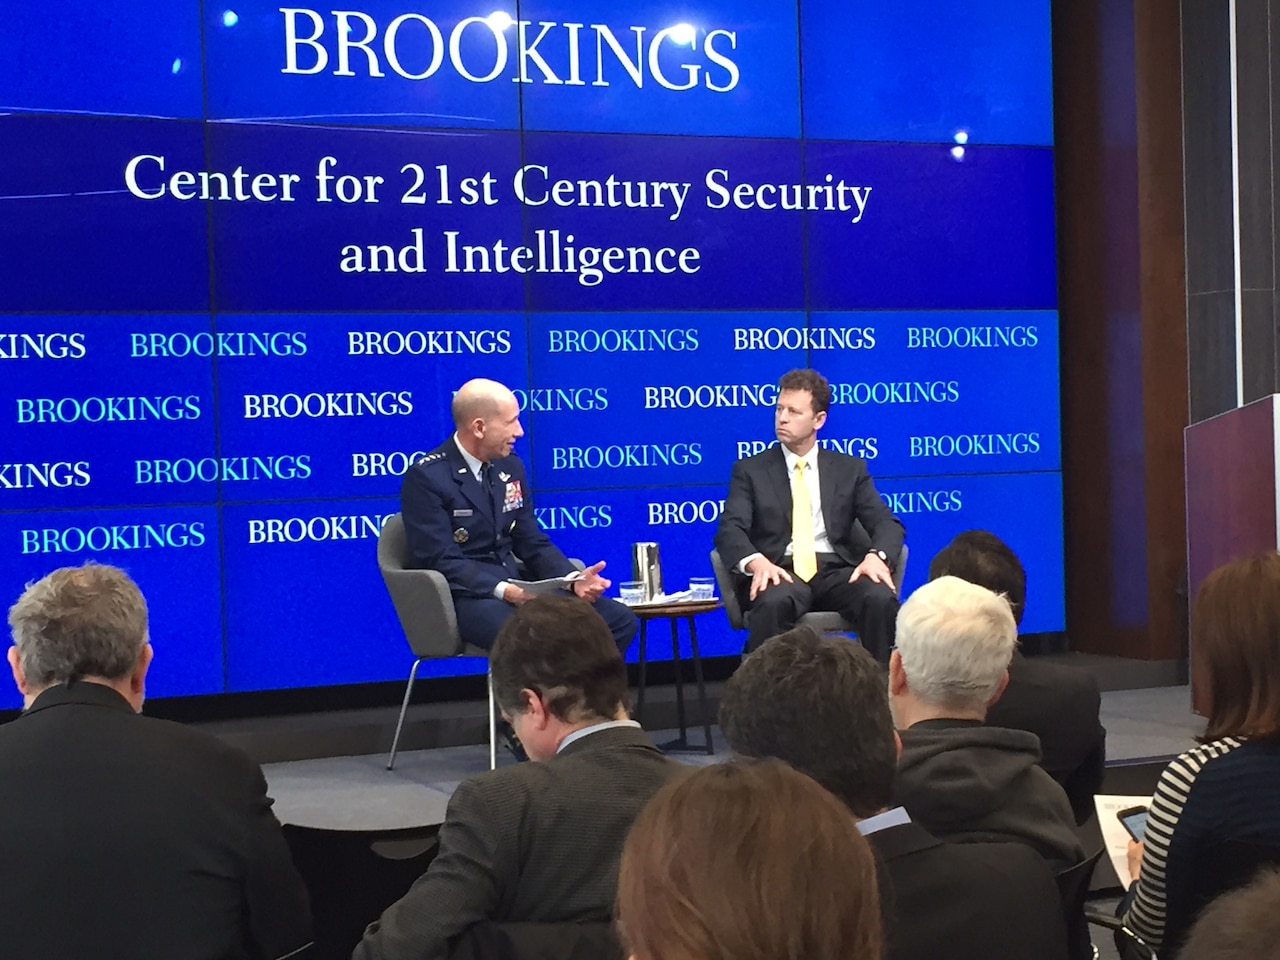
{"x": 404, "y": 708}
{"x": 493, "y": 727}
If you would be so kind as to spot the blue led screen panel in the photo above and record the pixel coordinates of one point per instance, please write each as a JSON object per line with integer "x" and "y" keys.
{"x": 917, "y": 70}
{"x": 238, "y": 288}
{"x": 136, "y": 59}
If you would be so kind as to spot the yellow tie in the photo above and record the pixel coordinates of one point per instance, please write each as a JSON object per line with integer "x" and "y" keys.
{"x": 803, "y": 560}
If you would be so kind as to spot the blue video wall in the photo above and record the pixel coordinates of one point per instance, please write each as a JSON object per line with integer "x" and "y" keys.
{"x": 248, "y": 251}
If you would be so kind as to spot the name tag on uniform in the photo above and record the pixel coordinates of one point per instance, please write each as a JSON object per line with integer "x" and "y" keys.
{"x": 513, "y": 499}
{"x": 463, "y": 513}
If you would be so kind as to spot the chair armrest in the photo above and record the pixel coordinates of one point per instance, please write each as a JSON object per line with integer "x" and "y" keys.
{"x": 1135, "y": 946}
{"x": 728, "y": 591}
{"x": 899, "y": 569}
{"x": 425, "y": 607}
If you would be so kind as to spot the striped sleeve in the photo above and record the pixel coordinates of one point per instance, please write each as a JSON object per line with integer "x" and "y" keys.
{"x": 1146, "y": 916}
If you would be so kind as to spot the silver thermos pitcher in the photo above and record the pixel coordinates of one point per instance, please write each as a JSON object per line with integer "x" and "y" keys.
{"x": 646, "y": 566}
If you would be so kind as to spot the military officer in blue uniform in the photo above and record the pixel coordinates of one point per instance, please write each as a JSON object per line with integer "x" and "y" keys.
{"x": 468, "y": 514}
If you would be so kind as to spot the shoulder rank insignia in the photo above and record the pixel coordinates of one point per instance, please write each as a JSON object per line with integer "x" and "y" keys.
{"x": 460, "y": 535}
{"x": 430, "y": 458}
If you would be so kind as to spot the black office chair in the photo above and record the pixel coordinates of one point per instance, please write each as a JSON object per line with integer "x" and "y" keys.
{"x": 1073, "y": 890}
{"x": 353, "y": 875}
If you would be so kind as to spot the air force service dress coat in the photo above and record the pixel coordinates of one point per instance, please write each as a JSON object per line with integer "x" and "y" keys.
{"x": 474, "y": 533}
{"x": 470, "y": 533}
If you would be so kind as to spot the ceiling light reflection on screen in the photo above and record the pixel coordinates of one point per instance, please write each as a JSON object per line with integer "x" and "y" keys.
{"x": 685, "y": 34}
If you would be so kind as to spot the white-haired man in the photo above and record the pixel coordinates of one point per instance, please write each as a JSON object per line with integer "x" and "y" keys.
{"x": 961, "y": 780}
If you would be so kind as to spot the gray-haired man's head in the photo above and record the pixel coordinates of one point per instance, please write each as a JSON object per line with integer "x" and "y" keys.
{"x": 77, "y": 623}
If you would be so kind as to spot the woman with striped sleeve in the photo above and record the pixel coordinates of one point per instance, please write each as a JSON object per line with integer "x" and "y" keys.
{"x": 1226, "y": 788}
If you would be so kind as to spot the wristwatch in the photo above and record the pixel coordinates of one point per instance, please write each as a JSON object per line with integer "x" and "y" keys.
{"x": 881, "y": 554}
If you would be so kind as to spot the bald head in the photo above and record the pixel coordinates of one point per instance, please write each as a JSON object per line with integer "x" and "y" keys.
{"x": 487, "y": 417}
{"x": 479, "y": 399}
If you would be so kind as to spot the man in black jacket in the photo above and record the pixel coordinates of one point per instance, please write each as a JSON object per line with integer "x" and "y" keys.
{"x": 1057, "y": 702}
{"x": 805, "y": 529}
{"x": 123, "y": 837}
{"x": 819, "y": 704}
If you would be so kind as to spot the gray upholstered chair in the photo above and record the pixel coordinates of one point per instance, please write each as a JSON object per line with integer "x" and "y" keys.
{"x": 425, "y": 608}
{"x": 823, "y": 620}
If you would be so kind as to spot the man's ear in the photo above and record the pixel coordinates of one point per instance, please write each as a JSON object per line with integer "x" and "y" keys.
{"x": 897, "y": 676}
{"x": 1000, "y": 688}
{"x": 138, "y": 678}
{"x": 819, "y": 420}
{"x": 535, "y": 708}
{"x": 19, "y": 676}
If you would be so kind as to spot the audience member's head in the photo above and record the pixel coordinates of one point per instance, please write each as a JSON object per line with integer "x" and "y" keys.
{"x": 818, "y": 703}
{"x": 80, "y": 623}
{"x": 556, "y": 669}
{"x": 747, "y": 861}
{"x": 983, "y": 558}
{"x": 1241, "y": 925}
{"x": 954, "y": 643}
{"x": 1235, "y": 633}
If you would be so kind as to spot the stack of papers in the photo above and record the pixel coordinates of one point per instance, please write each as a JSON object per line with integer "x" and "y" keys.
{"x": 550, "y": 585}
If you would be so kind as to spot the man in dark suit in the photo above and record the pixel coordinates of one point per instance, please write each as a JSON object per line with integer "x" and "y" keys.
{"x": 819, "y": 704}
{"x": 468, "y": 513}
{"x": 124, "y": 837}
{"x": 537, "y": 842}
{"x": 789, "y": 528}
{"x": 1057, "y": 702}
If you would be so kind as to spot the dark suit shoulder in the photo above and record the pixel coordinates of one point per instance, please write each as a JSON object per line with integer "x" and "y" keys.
{"x": 841, "y": 461}
{"x": 198, "y": 742}
{"x": 622, "y": 748}
{"x": 770, "y": 456}
{"x": 437, "y": 459}
{"x": 1046, "y": 698}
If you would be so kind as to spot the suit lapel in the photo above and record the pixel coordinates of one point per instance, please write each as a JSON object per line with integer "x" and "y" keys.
{"x": 471, "y": 488}
{"x": 827, "y": 481}
{"x": 777, "y": 473}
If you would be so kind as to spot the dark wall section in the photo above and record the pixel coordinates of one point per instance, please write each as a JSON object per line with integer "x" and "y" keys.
{"x": 1118, "y": 131}
{"x": 1206, "y": 108}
